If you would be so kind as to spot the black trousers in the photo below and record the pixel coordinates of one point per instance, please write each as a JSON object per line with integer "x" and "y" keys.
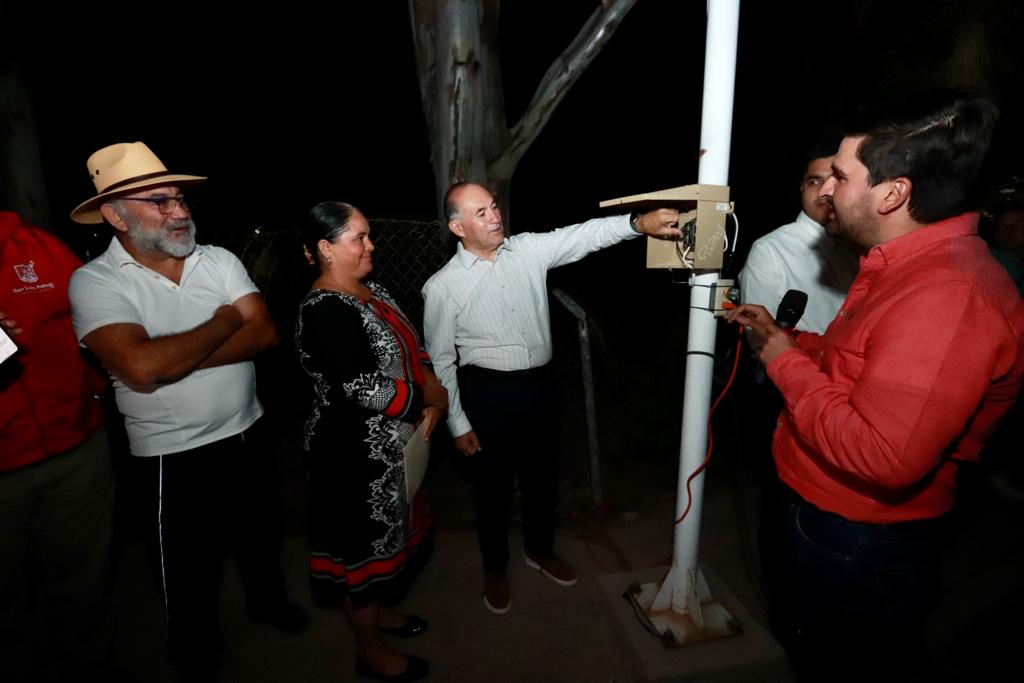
{"x": 56, "y": 521}
{"x": 218, "y": 498}
{"x": 515, "y": 416}
{"x": 854, "y": 597}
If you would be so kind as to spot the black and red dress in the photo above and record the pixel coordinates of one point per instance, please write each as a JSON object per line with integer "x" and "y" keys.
{"x": 366, "y": 363}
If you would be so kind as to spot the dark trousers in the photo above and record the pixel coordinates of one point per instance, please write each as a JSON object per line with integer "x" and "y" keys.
{"x": 515, "y": 416}
{"x": 56, "y": 521}
{"x": 219, "y": 498}
{"x": 851, "y": 599}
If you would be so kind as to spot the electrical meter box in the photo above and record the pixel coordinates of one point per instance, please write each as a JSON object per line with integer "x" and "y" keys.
{"x": 702, "y": 209}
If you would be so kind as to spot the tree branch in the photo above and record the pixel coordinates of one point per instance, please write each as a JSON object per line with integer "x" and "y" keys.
{"x": 422, "y": 16}
{"x": 560, "y": 76}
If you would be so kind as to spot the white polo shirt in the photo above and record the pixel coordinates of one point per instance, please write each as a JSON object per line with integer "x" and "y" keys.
{"x": 207, "y": 405}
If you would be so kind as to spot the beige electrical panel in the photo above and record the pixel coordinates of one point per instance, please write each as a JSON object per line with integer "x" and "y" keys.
{"x": 703, "y": 209}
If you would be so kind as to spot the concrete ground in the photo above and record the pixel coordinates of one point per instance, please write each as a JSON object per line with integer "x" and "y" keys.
{"x": 552, "y": 633}
{"x": 577, "y": 634}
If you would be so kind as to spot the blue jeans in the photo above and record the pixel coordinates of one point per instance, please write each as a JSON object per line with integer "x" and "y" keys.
{"x": 852, "y": 598}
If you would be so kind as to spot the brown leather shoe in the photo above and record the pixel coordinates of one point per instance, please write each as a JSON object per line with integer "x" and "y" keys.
{"x": 497, "y": 595}
{"x": 555, "y": 568}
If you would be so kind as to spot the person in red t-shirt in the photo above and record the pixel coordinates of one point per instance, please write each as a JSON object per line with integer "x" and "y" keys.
{"x": 56, "y": 479}
{"x": 908, "y": 382}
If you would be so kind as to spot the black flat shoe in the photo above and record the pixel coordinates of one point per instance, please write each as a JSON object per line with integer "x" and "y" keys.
{"x": 415, "y": 670}
{"x": 410, "y": 629}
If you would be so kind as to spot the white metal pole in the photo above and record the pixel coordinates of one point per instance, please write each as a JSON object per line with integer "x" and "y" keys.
{"x": 719, "y": 85}
{"x": 715, "y": 139}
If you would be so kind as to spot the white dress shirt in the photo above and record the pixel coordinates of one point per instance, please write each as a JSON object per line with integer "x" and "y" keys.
{"x": 800, "y": 256}
{"x": 494, "y": 314}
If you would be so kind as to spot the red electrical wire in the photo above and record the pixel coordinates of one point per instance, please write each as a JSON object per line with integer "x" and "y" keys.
{"x": 707, "y": 456}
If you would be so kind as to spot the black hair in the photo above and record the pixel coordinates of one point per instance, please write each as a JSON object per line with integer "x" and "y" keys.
{"x": 822, "y": 147}
{"x": 938, "y": 140}
{"x": 325, "y": 221}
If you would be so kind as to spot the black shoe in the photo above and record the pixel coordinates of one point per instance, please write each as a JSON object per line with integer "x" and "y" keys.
{"x": 286, "y": 617}
{"x": 415, "y": 670}
{"x": 410, "y": 629}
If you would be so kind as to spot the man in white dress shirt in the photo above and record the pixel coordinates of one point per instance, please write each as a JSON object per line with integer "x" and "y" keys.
{"x": 488, "y": 332}
{"x": 803, "y": 255}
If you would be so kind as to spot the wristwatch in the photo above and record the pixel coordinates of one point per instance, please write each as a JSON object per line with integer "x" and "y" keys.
{"x": 633, "y": 218}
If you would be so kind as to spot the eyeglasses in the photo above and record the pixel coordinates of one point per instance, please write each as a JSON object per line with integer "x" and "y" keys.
{"x": 166, "y": 205}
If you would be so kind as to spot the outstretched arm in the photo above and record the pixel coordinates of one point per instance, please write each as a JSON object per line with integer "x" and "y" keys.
{"x": 571, "y": 243}
{"x": 660, "y": 223}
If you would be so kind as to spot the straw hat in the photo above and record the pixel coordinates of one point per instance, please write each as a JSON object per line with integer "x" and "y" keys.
{"x": 123, "y": 167}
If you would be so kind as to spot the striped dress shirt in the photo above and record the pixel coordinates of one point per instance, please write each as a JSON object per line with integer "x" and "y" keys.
{"x": 494, "y": 314}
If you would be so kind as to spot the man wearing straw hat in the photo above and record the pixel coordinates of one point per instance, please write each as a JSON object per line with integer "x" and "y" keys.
{"x": 176, "y": 324}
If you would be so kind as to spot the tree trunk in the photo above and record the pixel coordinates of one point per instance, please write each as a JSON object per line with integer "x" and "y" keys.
{"x": 460, "y": 86}
{"x": 459, "y": 71}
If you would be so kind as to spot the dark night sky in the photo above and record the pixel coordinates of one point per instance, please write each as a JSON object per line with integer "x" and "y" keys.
{"x": 308, "y": 102}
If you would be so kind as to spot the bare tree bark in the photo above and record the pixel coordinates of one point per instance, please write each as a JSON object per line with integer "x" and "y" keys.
{"x": 460, "y": 85}
{"x": 459, "y": 69}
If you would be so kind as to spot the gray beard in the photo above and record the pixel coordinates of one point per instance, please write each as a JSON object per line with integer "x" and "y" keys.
{"x": 163, "y": 242}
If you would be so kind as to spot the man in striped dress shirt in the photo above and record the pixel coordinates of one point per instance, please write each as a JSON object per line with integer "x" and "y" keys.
{"x": 488, "y": 331}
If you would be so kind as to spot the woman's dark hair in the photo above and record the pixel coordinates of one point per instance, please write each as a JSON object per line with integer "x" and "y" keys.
{"x": 325, "y": 221}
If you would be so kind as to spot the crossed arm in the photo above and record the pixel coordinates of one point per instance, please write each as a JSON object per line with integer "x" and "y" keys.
{"x": 236, "y": 332}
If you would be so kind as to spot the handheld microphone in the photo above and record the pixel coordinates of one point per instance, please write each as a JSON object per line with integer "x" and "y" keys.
{"x": 790, "y": 310}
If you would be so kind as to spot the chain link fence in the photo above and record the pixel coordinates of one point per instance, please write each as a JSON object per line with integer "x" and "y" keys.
{"x": 407, "y": 253}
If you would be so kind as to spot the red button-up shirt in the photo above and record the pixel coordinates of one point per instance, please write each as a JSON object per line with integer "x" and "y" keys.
{"x": 911, "y": 377}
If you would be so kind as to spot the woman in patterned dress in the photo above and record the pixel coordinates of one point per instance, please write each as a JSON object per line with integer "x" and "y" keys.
{"x": 372, "y": 384}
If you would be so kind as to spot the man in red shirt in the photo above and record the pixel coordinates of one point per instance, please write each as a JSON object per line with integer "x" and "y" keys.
{"x": 906, "y": 384}
{"x": 56, "y": 480}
